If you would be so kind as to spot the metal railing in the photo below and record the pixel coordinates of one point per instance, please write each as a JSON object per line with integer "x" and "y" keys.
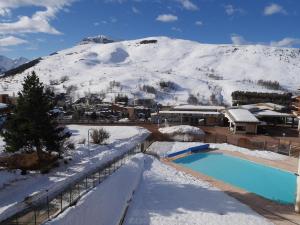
{"x": 41, "y": 210}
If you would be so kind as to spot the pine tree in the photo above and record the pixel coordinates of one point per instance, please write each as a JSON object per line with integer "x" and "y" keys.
{"x": 31, "y": 126}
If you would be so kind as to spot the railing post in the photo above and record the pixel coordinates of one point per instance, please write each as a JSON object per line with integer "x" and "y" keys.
{"x": 61, "y": 202}
{"x": 48, "y": 208}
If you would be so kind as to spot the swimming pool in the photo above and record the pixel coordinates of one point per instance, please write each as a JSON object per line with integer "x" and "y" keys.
{"x": 268, "y": 182}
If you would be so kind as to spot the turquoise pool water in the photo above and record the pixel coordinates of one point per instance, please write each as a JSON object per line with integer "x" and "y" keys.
{"x": 268, "y": 182}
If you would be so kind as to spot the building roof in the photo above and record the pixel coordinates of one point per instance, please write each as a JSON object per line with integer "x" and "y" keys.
{"x": 199, "y": 107}
{"x": 270, "y": 113}
{"x": 189, "y": 112}
{"x": 241, "y": 115}
{"x": 263, "y": 106}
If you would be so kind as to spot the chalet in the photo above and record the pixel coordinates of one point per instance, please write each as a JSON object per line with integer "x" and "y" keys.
{"x": 241, "y": 121}
{"x": 270, "y": 113}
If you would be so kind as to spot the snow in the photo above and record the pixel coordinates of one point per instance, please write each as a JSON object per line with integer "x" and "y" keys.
{"x": 106, "y": 203}
{"x": 36, "y": 185}
{"x": 182, "y": 129}
{"x": 190, "y": 112}
{"x": 164, "y": 148}
{"x": 242, "y": 115}
{"x": 272, "y": 113}
{"x": 170, "y": 197}
{"x": 191, "y": 66}
{"x": 199, "y": 107}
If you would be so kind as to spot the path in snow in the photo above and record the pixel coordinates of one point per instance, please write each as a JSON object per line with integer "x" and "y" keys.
{"x": 169, "y": 197}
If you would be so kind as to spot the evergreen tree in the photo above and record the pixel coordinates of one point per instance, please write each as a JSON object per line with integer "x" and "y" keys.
{"x": 31, "y": 127}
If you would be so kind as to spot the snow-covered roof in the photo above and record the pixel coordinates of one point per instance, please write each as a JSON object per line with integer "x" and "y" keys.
{"x": 3, "y": 106}
{"x": 242, "y": 115}
{"x": 190, "y": 112}
{"x": 182, "y": 129}
{"x": 267, "y": 106}
{"x": 272, "y": 114}
{"x": 199, "y": 107}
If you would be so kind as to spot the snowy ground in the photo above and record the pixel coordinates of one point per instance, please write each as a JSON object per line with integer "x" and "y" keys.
{"x": 181, "y": 129}
{"x": 162, "y": 196}
{"x": 165, "y": 148}
{"x": 14, "y": 188}
{"x": 169, "y": 197}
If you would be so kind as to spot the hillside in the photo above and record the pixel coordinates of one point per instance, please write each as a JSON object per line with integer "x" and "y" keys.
{"x": 168, "y": 70}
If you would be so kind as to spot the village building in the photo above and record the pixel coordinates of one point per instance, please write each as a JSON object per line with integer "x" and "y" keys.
{"x": 296, "y": 109}
{"x": 270, "y": 113}
{"x": 241, "y": 121}
{"x": 190, "y": 114}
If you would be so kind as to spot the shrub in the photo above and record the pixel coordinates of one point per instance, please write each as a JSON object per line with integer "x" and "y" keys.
{"x": 273, "y": 85}
{"x": 169, "y": 85}
{"x": 64, "y": 79}
{"x": 70, "y": 89}
{"x": 149, "y": 89}
{"x": 121, "y": 98}
{"x": 99, "y": 136}
{"x": 114, "y": 83}
{"x": 54, "y": 82}
{"x": 192, "y": 100}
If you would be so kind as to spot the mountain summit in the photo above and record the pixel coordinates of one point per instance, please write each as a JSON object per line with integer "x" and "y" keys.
{"x": 99, "y": 39}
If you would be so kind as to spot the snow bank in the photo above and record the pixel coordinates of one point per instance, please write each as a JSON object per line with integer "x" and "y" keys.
{"x": 106, "y": 203}
{"x": 164, "y": 148}
{"x": 256, "y": 153}
{"x": 84, "y": 160}
{"x": 170, "y": 197}
{"x": 182, "y": 129}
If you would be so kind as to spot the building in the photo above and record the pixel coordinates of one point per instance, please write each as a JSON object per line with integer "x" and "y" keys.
{"x": 207, "y": 118}
{"x": 242, "y": 121}
{"x": 199, "y": 108}
{"x": 296, "y": 109}
{"x": 270, "y": 113}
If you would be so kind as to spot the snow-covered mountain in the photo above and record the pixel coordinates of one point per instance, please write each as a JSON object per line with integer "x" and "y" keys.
{"x": 100, "y": 39}
{"x": 8, "y": 64}
{"x": 169, "y": 70}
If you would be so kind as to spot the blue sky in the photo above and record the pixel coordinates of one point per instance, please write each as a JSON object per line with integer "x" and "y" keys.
{"x": 33, "y": 28}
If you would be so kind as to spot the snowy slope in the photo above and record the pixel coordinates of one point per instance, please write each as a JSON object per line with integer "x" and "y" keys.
{"x": 209, "y": 72}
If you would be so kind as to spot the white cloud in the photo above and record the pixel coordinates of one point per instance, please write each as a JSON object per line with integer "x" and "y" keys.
{"x": 239, "y": 40}
{"x": 273, "y": 9}
{"x": 11, "y": 41}
{"x": 199, "y": 23}
{"x": 177, "y": 29}
{"x": 38, "y": 22}
{"x": 230, "y": 10}
{"x": 167, "y": 18}
{"x": 5, "y": 12}
{"x": 187, "y": 4}
{"x": 135, "y": 10}
{"x": 286, "y": 42}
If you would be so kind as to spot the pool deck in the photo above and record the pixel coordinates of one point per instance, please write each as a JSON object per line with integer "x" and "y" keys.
{"x": 275, "y": 212}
